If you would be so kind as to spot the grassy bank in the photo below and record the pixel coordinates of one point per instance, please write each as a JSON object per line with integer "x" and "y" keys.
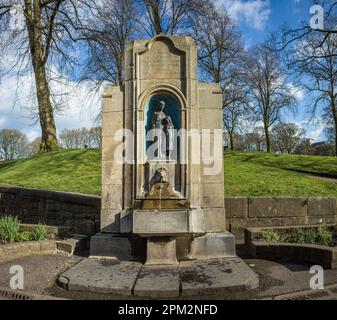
{"x": 68, "y": 170}
{"x": 259, "y": 174}
{"x": 246, "y": 174}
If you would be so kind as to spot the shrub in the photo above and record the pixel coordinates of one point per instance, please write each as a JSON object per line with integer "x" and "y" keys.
{"x": 25, "y": 236}
{"x": 40, "y": 233}
{"x": 324, "y": 236}
{"x": 311, "y": 236}
{"x": 9, "y": 228}
{"x": 300, "y": 236}
{"x": 272, "y": 236}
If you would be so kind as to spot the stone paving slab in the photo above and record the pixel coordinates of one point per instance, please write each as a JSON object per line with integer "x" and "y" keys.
{"x": 216, "y": 277}
{"x": 40, "y": 271}
{"x": 158, "y": 282}
{"x": 190, "y": 278}
{"x": 102, "y": 276}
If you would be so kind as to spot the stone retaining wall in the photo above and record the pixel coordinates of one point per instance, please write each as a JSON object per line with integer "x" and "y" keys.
{"x": 245, "y": 212}
{"x": 80, "y": 212}
{"x": 16, "y": 250}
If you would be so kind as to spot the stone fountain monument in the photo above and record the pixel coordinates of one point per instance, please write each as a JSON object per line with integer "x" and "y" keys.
{"x": 164, "y": 204}
{"x": 163, "y": 225}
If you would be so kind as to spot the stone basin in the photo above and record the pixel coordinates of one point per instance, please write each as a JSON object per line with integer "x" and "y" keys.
{"x": 167, "y": 223}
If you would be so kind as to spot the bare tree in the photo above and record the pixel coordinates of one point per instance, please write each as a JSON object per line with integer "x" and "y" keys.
{"x": 218, "y": 41}
{"x": 13, "y": 144}
{"x": 96, "y": 136}
{"x": 109, "y": 29}
{"x": 164, "y": 16}
{"x": 233, "y": 118}
{"x": 269, "y": 92}
{"x": 304, "y": 147}
{"x": 41, "y": 44}
{"x": 323, "y": 30}
{"x": 315, "y": 66}
{"x": 257, "y": 139}
{"x": 34, "y": 146}
{"x": 287, "y": 137}
{"x": 75, "y": 138}
{"x": 220, "y": 56}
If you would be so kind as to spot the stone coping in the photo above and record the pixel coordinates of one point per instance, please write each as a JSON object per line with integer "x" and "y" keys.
{"x": 67, "y": 197}
{"x": 324, "y": 256}
{"x": 15, "y": 250}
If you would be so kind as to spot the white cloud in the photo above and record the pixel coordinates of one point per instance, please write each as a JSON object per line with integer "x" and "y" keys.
{"x": 298, "y": 93}
{"x": 256, "y": 13}
{"x": 17, "y": 104}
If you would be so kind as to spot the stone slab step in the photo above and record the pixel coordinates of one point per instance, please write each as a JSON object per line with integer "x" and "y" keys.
{"x": 214, "y": 277}
{"x": 154, "y": 282}
{"x": 76, "y": 242}
{"x": 101, "y": 276}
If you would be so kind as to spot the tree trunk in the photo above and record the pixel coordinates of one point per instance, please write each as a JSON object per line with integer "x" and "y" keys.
{"x": 39, "y": 57}
{"x": 231, "y": 141}
{"x": 46, "y": 113}
{"x": 334, "y": 113}
{"x": 268, "y": 142}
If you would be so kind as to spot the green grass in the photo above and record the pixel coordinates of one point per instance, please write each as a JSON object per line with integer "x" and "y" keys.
{"x": 246, "y": 174}
{"x": 68, "y": 170}
{"x": 259, "y": 174}
{"x": 310, "y": 164}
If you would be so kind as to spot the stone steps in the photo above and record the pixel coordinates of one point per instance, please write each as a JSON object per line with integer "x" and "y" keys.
{"x": 74, "y": 243}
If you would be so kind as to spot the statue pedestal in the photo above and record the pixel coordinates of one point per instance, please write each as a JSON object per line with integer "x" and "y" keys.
{"x": 161, "y": 229}
{"x": 161, "y": 251}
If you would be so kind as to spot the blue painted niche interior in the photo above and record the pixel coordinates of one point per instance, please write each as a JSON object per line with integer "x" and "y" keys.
{"x": 172, "y": 109}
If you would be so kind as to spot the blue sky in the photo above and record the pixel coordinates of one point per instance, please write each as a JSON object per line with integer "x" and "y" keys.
{"x": 256, "y": 19}
{"x": 291, "y": 12}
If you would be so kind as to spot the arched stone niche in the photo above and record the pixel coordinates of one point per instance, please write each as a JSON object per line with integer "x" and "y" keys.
{"x": 172, "y": 109}
{"x": 176, "y": 110}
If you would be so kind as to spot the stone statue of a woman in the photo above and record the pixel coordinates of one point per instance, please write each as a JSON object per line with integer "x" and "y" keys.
{"x": 163, "y": 126}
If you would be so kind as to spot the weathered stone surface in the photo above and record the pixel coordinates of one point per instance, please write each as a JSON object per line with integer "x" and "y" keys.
{"x": 116, "y": 246}
{"x": 236, "y": 207}
{"x": 291, "y": 207}
{"x": 161, "y": 223}
{"x": 22, "y": 249}
{"x": 48, "y": 246}
{"x": 196, "y": 221}
{"x": 215, "y": 220}
{"x": 56, "y": 209}
{"x": 216, "y": 277}
{"x": 158, "y": 282}
{"x": 322, "y": 207}
{"x": 108, "y": 245}
{"x": 103, "y": 276}
{"x": 76, "y": 242}
{"x": 266, "y": 222}
{"x": 211, "y": 246}
{"x": 262, "y": 208}
{"x": 294, "y": 221}
{"x": 161, "y": 251}
{"x": 212, "y": 195}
